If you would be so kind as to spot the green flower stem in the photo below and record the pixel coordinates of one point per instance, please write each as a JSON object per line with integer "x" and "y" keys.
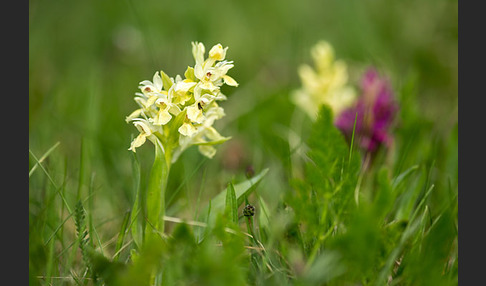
{"x": 249, "y": 227}
{"x": 157, "y": 185}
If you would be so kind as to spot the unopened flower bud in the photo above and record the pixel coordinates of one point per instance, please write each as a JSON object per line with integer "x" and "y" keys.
{"x": 249, "y": 172}
{"x": 249, "y": 210}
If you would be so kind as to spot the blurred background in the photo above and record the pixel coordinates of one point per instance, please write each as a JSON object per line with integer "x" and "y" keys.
{"x": 86, "y": 59}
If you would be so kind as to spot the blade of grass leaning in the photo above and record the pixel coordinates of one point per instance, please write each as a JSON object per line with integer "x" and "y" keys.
{"x": 60, "y": 228}
{"x": 57, "y": 229}
{"x": 398, "y": 179}
{"x": 50, "y": 262}
{"x": 422, "y": 201}
{"x": 58, "y": 190}
{"x": 201, "y": 232}
{"x": 263, "y": 216}
{"x": 121, "y": 235}
{"x": 231, "y": 206}
{"x": 43, "y": 158}
{"x": 352, "y": 139}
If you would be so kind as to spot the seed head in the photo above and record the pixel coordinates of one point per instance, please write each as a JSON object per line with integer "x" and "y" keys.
{"x": 249, "y": 210}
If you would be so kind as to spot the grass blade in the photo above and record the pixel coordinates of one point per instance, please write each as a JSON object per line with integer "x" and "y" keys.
{"x": 231, "y": 206}
{"x": 398, "y": 179}
{"x": 121, "y": 235}
{"x": 43, "y": 158}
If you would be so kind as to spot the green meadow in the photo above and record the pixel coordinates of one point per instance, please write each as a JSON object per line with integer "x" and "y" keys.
{"x": 287, "y": 199}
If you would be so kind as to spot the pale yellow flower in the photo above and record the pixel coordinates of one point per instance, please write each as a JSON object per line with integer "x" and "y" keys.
{"x": 187, "y": 129}
{"x": 146, "y": 131}
{"x": 180, "y": 90}
{"x": 217, "y": 52}
{"x": 212, "y": 75}
{"x": 163, "y": 116}
{"x": 179, "y": 112}
{"x": 152, "y": 87}
{"x": 204, "y": 134}
{"x": 133, "y": 115}
{"x": 326, "y": 84}
{"x": 194, "y": 114}
{"x": 195, "y": 111}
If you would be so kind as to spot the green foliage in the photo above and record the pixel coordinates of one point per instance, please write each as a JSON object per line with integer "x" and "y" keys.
{"x": 323, "y": 200}
{"x": 218, "y": 204}
{"x": 137, "y": 223}
{"x": 218, "y": 260}
{"x": 319, "y": 218}
{"x": 83, "y": 238}
{"x": 109, "y": 272}
{"x": 122, "y": 234}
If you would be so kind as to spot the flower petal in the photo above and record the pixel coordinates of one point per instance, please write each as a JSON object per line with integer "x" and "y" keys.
{"x": 137, "y": 142}
{"x": 217, "y": 52}
{"x": 151, "y": 100}
{"x": 198, "y": 51}
{"x": 208, "y": 151}
{"x": 229, "y": 80}
{"x": 133, "y": 115}
{"x": 187, "y": 129}
{"x": 157, "y": 81}
{"x": 162, "y": 118}
{"x": 194, "y": 114}
{"x": 143, "y": 127}
{"x": 174, "y": 109}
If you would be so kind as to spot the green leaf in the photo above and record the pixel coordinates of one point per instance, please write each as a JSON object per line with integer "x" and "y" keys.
{"x": 156, "y": 191}
{"x": 263, "y": 216}
{"x": 397, "y": 180}
{"x": 189, "y": 74}
{"x": 231, "y": 206}
{"x": 165, "y": 80}
{"x": 136, "y": 221}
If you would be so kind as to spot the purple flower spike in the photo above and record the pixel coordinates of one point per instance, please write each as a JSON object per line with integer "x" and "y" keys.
{"x": 374, "y": 112}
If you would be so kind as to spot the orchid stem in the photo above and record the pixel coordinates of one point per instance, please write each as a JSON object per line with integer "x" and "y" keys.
{"x": 157, "y": 186}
